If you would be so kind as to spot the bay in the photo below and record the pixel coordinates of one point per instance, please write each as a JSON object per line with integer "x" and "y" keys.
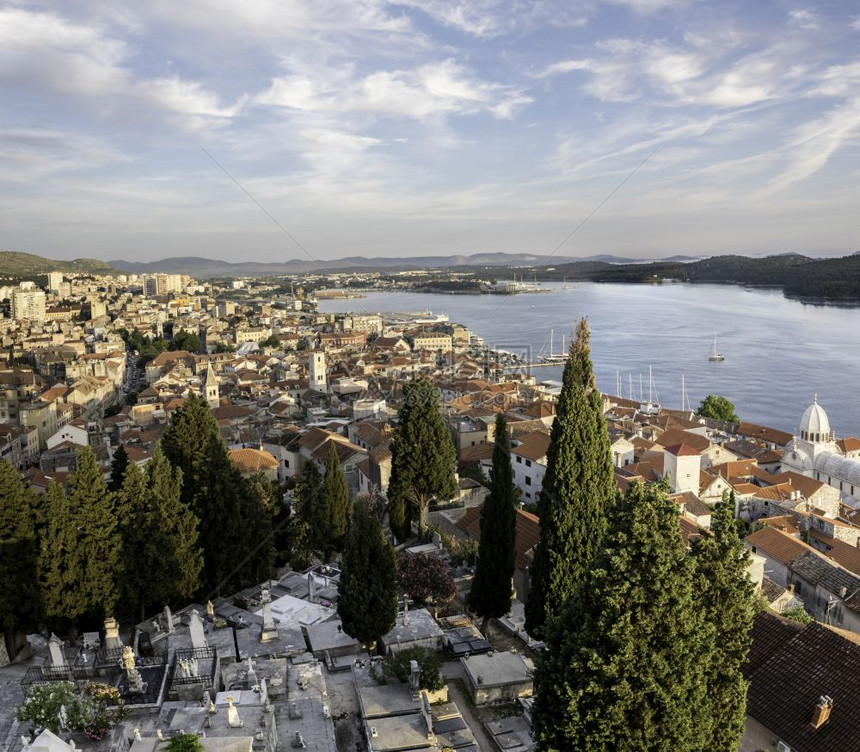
{"x": 778, "y": 352}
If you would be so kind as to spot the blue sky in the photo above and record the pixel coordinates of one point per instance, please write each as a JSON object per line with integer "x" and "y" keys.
{"x": 429, "y": 127}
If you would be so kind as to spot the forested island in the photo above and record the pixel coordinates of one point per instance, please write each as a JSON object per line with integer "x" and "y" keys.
{"x": 829, "y": 280}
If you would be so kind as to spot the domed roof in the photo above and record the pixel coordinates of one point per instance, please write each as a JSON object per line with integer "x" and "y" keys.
{"x": 815, "y": 421}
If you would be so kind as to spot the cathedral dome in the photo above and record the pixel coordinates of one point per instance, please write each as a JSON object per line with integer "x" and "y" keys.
{"x": 814, "y": 425}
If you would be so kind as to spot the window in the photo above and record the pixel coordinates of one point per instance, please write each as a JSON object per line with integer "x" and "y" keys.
{"x": 286, "y": 463}
{"x": 528, "y": 463}
{"x": 528, "y": 480}
{"x": 519, "y": 460}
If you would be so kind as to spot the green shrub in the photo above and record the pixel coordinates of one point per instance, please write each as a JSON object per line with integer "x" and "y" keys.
{"x": 429, "y": 666}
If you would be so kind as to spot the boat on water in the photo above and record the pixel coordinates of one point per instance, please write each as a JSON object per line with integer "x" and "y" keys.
{"x": 553, "y": 357}
{"x": 715, "y": 356}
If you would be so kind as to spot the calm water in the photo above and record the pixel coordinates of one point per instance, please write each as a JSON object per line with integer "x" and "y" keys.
{"x": 778, "y": 352}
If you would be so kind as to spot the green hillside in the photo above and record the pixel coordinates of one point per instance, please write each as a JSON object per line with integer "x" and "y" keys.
{"x": 14, "y": 264}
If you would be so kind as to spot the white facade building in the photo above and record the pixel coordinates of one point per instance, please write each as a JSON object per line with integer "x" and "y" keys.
{"x": 816, "y": 454}
{"x": 28, "y": 304}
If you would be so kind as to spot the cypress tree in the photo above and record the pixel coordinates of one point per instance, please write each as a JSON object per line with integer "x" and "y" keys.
{"x": 235, "y": 527}
{"x": 576, "y": 489}
{"x": 622, "y": 669}
{"x": 367, "y": 591}
{"x": 178, "y": 523}
{"x": 117, "y": 468}
{"x": 309, "y": 513}
{"x": 726, "y": 596}
{"x": 94, "y": 510}
{"x": 338, "y": 507}
{"x": 162, "y": 558}
{"x": 20, "y": 599}
{"x": 490, "y": 596}
{"x": 140, "y": 547}
{"x": 80, "y": 554}
{"x": 423, "y": 458}
{"x": 59, "y": 558}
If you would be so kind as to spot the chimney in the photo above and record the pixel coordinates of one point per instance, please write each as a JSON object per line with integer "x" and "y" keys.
{"x": 821, "y": 712}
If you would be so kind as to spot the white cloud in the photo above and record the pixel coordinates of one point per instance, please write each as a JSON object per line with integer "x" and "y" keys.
{"x": 33, "y": 153}
{"x": 490, "y": 18}
{"x": 45, "y": 53}
{"x": 804, "y": 18}
{"x": 839, "y": 80}
{"x": 186, "y": 97}
{"x": 650, "y": 6}
{"x": 433, "y": 89}
{"x": 42, "y": 50}
{"x": 625, "y": 70}
{"x": 815, "y": 142}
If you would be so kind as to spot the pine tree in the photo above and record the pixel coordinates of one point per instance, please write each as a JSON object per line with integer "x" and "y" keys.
{"x": 160, "y": 551}
{"x": 338, "y": 507}
{"x": 367, "y": 592}
{"x": 490, "y": 596}
{"x": 726, "y": 595}
{"x": 423, "y": 458}
{"x": 576, "y": 489}
{"x": 622, "y": 669}
{"x": 20, "y": 599}
{"x": 235, "y": 528}
{"x": 117, "y": 468}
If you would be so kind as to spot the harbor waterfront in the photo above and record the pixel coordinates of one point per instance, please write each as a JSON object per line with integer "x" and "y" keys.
{"x": 778, "y": 352}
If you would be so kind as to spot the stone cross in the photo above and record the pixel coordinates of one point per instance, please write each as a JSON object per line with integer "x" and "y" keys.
{"x": 252, "y": 675}
{"x": 58, "y": 656}
{"x": 195, "y": 627}
{"x": 112, "y": 638}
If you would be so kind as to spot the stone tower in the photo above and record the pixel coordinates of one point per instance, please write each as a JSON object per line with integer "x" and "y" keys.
{"x": 210, "y": 387}
{"x": 316, "y": 367}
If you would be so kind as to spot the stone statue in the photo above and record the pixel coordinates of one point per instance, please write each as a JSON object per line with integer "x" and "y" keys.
{"x": 128, "y": 658}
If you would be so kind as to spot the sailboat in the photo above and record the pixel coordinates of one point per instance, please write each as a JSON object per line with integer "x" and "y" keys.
{"x": 555, "y": 357}
{"x": 715, "y": 356}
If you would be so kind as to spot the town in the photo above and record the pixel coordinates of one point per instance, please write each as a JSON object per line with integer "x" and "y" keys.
{"x": 226, "y": 453}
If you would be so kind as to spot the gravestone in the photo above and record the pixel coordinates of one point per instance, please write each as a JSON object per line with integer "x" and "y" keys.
{"x": 167, "y": 618}
{"x": 58, "y": 655}
{"x": 270, "y": 631}
{"x": 112, "y": 638}
{"x": 252, "y": 675}
{"x": 195, "y": 628}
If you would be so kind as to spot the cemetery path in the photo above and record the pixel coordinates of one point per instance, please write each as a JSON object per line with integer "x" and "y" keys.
{"x": 453, "y": 670}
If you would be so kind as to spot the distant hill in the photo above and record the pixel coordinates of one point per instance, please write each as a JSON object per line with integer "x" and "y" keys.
{"x": 205, "y": 268}
{"x": 15, "y": 264}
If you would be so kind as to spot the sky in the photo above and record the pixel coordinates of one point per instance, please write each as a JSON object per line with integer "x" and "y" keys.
{"x": 274, "y": 129}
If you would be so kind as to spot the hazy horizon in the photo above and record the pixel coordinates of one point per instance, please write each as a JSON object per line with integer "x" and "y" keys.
{"x": 429, "y": 128}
